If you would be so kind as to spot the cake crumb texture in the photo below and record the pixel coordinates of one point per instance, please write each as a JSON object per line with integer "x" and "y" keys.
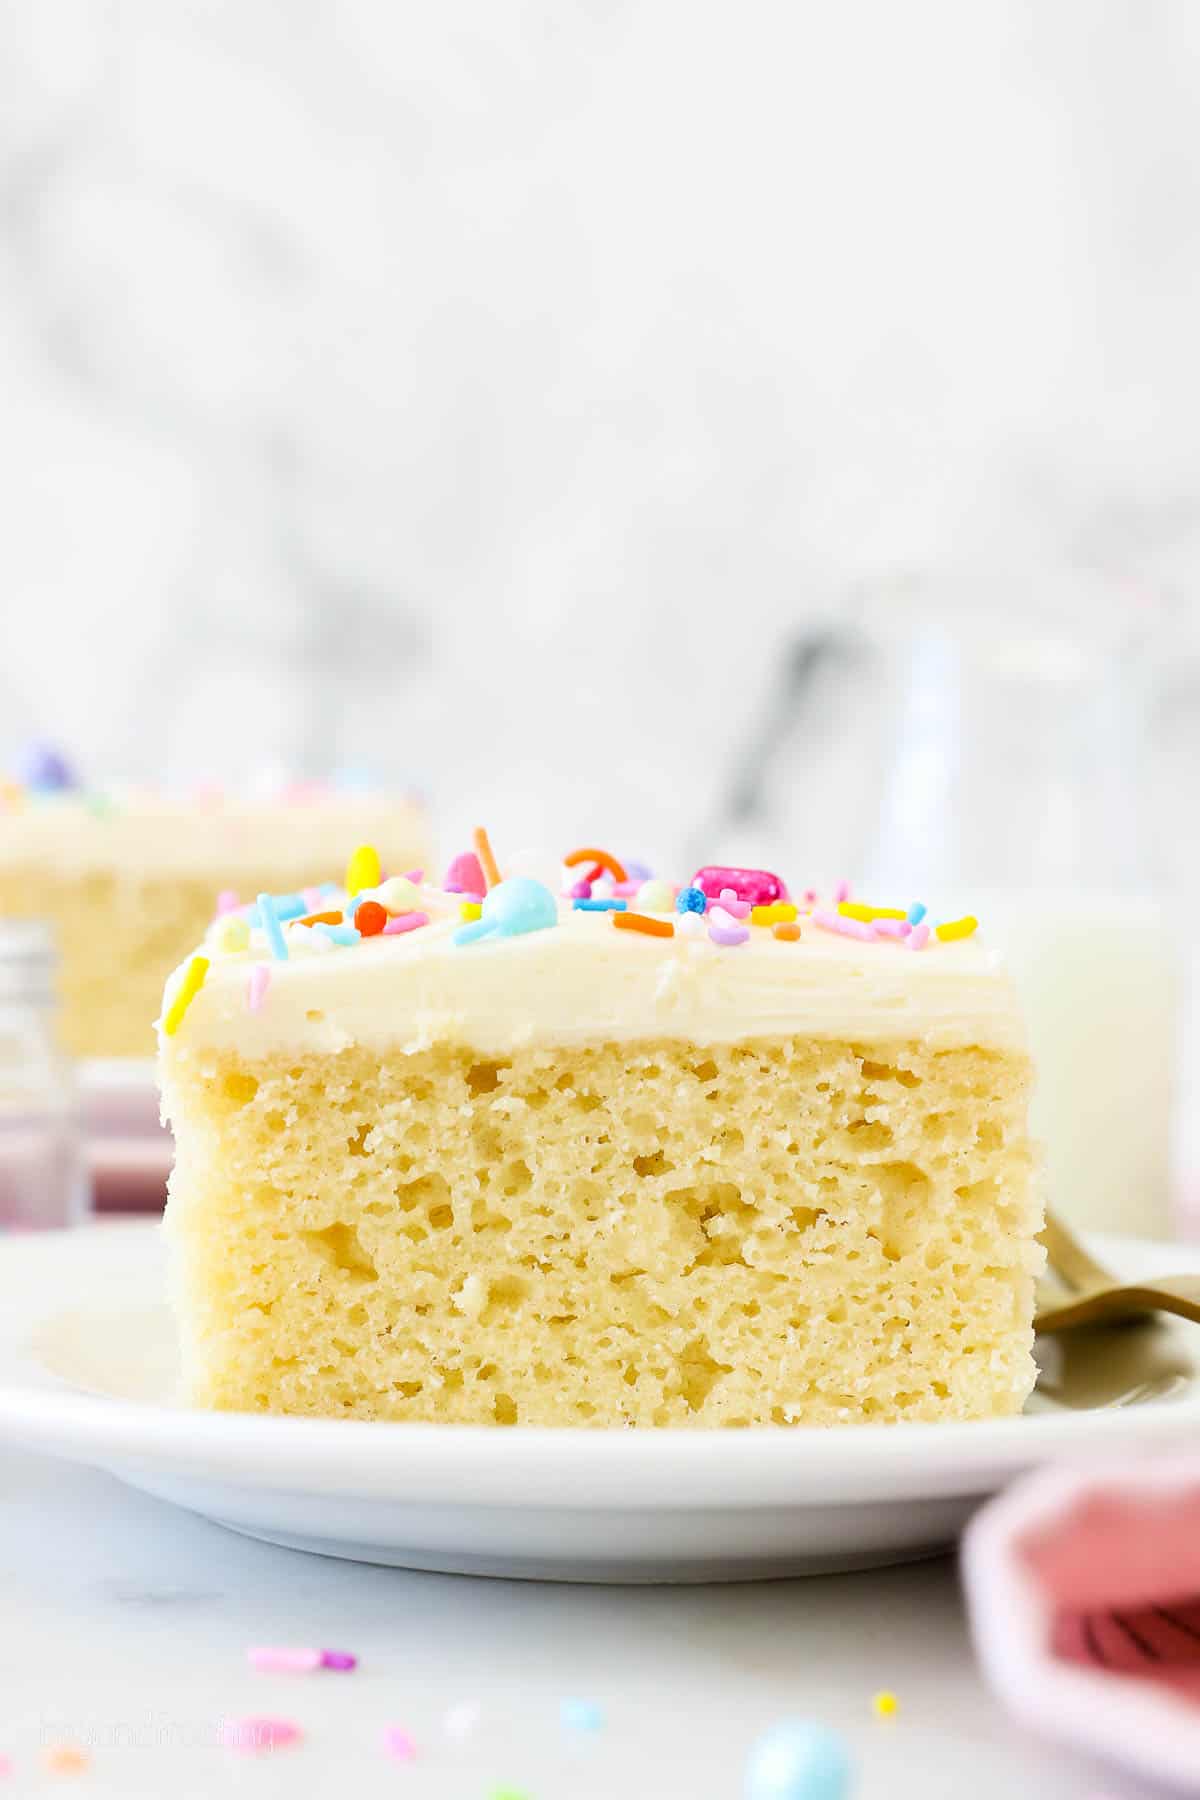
{"x": 782, "y": 1231}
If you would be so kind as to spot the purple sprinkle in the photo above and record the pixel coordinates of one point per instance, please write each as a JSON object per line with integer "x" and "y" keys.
{"x": 581, "y": 891}
{"x": 338, "y": 1659}
{"x": 728, "y": 934}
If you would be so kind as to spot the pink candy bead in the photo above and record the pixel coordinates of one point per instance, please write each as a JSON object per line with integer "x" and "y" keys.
{"x": 582, "y": 890}
{"x": 758, "y": 887}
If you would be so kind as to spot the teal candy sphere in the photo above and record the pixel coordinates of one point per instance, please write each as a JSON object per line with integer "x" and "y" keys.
{"x": 798, "y": 1760}
{"x": 519, "y": 904}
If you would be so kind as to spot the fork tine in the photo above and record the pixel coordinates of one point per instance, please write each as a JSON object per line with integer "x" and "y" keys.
{"x": 1069, "y": 1259}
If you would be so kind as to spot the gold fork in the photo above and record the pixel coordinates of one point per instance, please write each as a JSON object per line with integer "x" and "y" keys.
{"x": 1095, "y": 1294}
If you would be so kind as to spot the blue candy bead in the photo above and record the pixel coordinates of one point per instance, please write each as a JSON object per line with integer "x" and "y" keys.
{"x": 510, "y": 909}
{"x": 691, "y": 899}
{"x": 798, "y": 1760}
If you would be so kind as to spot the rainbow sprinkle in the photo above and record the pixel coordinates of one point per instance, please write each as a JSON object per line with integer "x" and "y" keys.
{"x": 189, "y": 987}
{"x": 957, "y": 928}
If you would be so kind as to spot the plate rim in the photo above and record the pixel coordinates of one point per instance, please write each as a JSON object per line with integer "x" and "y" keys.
{"x": 570, "y": 1466}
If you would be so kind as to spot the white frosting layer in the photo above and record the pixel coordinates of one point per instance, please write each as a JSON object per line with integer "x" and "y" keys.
{"x": 585, "y": 981}
{"x": 147, "y": 835}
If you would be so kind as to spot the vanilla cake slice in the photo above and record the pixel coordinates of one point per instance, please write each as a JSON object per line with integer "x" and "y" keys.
{"x": 623, "y": 1156}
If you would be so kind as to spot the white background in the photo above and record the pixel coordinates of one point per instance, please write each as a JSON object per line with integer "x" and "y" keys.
{"x": 487, "y": 393}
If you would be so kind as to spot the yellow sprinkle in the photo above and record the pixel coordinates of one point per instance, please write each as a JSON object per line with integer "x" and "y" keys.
{"x": 957, "y": 928}
{"x": 885, "y": 1704}
{"x": 363, "y": 870}
{"x": 470, "y": 909}
{"x": 858, "y": 909}
{"x": 189, "y": 987}
{"x": 779, "y": 912}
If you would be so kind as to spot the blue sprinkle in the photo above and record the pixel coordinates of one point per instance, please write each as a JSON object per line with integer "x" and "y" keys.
{"x": 581, "y": 1715}
{"x": 340, "y": 934}
{"x": 601, "y": 906}
{"x": 270, "y": 924}
{"x": 798, "y": 1760}
{"x": 691, "y": 899}
{"x": 916, "y": 912}
{"x": 329, "y": 887}
{"x": 289, "y": 906}
{"x": 510, "y": 909}
{"x": 253, "y": 917}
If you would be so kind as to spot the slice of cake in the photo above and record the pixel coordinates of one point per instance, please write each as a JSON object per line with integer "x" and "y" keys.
{"x": 631, "y": 1155}
{"x": 129, "y": 880}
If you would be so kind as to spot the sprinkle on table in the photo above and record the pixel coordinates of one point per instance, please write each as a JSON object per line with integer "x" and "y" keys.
{"x": 189, "y": 987}
{"x": 67, "y": 1759}
{"x": 255, "y": 1735}
{"x": 627, "y": 921}
{"x": 399, "y": 1743}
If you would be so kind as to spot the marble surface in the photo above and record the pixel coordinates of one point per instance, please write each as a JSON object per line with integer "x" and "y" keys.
{"x": 126, "y": 1625}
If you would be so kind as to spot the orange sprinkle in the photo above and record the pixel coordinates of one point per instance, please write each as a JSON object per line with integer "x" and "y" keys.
{"x": 628, "y": 921}
{"x": 487, "y": 860}
{"x": 788, "y": 930}
{"x": 615, "y": 869}
{"x": 66, "y": 1759}
{"x": 329, "y": 918}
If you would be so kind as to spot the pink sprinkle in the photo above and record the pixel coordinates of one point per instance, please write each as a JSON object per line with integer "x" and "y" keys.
{"x": 581, "y": 891}
{"x": 256, "y": 987}
{"x": 918, "y": 937}
{"x": 739, "y": 909}
{"x": 399, "y": 1743}
{"x": 728, "y": 934}
{"x": 404, "y": 922}
{"x": 313, "y": 898}
{"x": 338, "y": 1659}
{"x": 625, "y": 890}
{"x": 227, "y": 902}
{"x": 841, "y": 892}
{"x": 465, "y": 875}
{"x": 284, "y": 1661}
{"x": 251, "y": 1737}
{"x": 893, "y": 928}
{"x": 810, "y": 896}
{"x": 416, "y": 876}
{"x": 831, "y": 921}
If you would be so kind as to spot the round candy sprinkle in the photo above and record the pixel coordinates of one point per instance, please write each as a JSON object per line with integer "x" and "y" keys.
{"x": 787, "y": 930}
{"x": 615, "y": 869}
{"x": 370, "y": 918}
{"x": 689, "y": 925}
{"x": 957, "y": 928}
{"x": 758, "y": 886}
{"x": 185, "y": 993}
{"x": 510, "y": 909}
{"x": 885, "y": 1704}
{"x": 582, "y": 890}
{"x": 798, "y": 1760}
{"x": 250, "y": 1737}
{"x": 465, "y": 875}
{"x": 581, "y": 1715}
{"x": 639, "y": 922}
{"x": 399, "y": 894}
{"x": 230, "y": 934}
{"x": 656, "y": 896}
{"x": 487, "y": 859}
{"x": 363, "y": 870}
{"x": 691, "y": 899}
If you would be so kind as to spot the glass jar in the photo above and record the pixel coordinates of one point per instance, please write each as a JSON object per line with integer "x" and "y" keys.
{"x": 43, "y": 1182}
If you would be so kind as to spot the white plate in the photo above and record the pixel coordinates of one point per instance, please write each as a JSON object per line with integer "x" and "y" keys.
{"x": 88, "y": 1372}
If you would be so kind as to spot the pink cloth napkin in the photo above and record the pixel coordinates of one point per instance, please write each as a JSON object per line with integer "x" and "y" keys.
{"x": 1084, "y": 1592}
